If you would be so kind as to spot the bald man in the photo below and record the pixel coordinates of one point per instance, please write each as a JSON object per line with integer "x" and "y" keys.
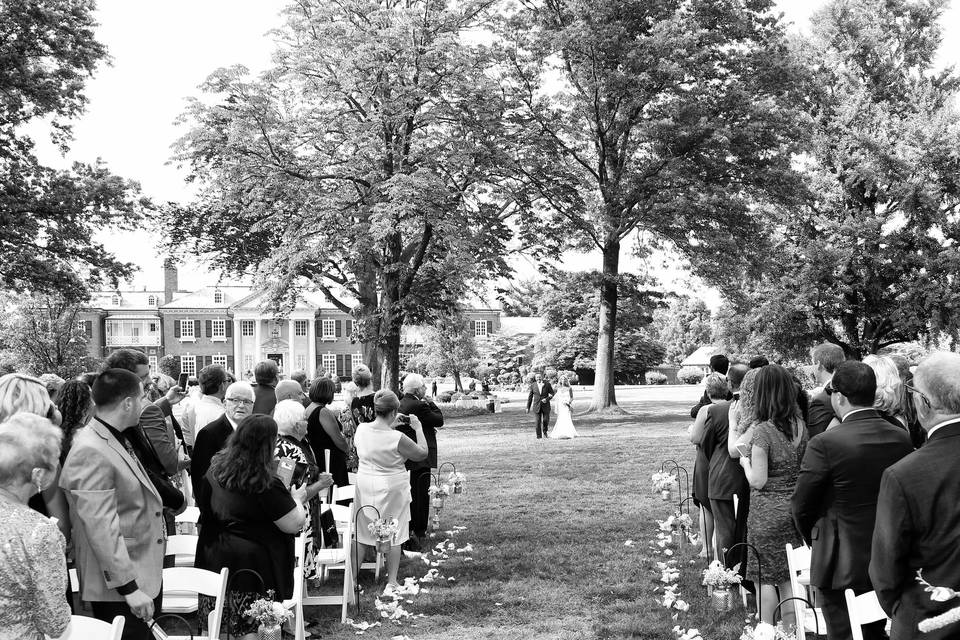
{"x": 918, "y": 512}
{"x": 289, "y": 390}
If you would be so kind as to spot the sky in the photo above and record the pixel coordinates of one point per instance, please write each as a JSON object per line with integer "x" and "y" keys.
{"x": 162, "y": 51}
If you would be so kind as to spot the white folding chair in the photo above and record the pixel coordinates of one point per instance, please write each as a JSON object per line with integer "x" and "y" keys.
{"x": 798, "y": 564}
{"x": 186, "y": 522}
{"x": 84, "y": 628}
{"x": 295, "y": 603}
{"x": 183, "y": 548}
{"x": 862, "y": 609}
{"x": 181, "y": 587}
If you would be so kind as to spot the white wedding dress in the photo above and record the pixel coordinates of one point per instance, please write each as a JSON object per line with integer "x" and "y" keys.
{"x": 564, "y": 425}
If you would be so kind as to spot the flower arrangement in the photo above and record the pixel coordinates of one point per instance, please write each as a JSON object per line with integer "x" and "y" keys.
{"x": 686, "y": 634}
{"x": 268, "y": 612}
{"x": 765, "y": 631}
{"x": 719, "y": 577}
{"x": 384, "y": 528}
{"x": 436, "y": 491}
{"x": 663, "y": 481}
{"x": 457, "y": 480}
{"x": 677, "y": 522}
{"x": 938, "y": 594}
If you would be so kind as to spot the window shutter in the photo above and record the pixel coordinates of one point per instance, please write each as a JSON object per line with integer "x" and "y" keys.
{"x": 209, "y": 328}
{"x": 338, "y": 328}
{"x": 196, "y": 329}
{"x": 318, "y": 327}
{"x": 207, "y": 361}
{"x": 230, "y": 363}
{"x": 176, "y": 328}
{"x": 473, "y": 327}
{"x": 228, "y": 323}
{"x": 348, "y": 328}
{"x": 88, "y": 328}
{"x": 345, "y": 368}
{"x": 489, "y": 327}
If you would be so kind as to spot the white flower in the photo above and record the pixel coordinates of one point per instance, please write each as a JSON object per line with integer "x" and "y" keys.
{"x": 765, "y": 631}
{"x": 681, "y": 605}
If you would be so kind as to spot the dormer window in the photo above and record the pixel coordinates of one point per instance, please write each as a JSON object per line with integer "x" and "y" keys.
{"x": 115, "y": 300}
{"x": 152, "y": 301}
{"x": 218, "y": 297}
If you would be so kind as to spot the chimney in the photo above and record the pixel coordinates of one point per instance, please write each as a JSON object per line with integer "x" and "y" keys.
{"x": 170, "y": 285}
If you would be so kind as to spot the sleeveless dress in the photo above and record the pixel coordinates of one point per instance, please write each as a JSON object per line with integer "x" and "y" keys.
{"x": 770, "y": 521}
{"x": 320, "y": 440}
{"x": 382, "y": 481}
{"x": 563, "y": 428}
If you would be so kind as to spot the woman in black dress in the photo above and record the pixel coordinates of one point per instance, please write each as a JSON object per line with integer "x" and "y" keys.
{"x": 325, "y": 432}
{"x": 249, "y": 520}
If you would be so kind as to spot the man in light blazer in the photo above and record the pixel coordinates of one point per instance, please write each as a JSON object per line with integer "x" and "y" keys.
{"x": 835, "y": 499}
{"x": 115, "y": 511}
{"x": 918, "y": 512}
{"x": 538, "y": 401}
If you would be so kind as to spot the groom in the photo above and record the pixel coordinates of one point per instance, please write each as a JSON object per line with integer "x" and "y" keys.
{"x": 539, "y": 400}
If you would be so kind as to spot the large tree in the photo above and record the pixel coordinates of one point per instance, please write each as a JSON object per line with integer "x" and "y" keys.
{"x": 449, "y": 346}
{"x": 48, "y": 217}
{"x": 669, "y": 118}
{"x": 43, "y": 335}
{"x": 871, "y": 258}
{"x": 357, "y": 165}
{"x": 682, "y": 327}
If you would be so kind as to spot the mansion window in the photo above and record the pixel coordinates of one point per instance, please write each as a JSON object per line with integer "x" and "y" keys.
{"x": 329, "y": 361}
{"x": 188, "y": 365}
{"x": 152, "y": 301}
{"x": 248, "y": 363}
{"x": 480, "y": 328}
{"x": 329, "y": 330}
{"x": 153, "y": 363}
{"x": 219, "y": 329}
{"x": 356, "y": 360}
{"x": 247, "y": 328}
{"x": 301, "y": 362}
{"x": 186, "y": 330}
{"x": 218, "y": 297}
{"x": 299, "y": 328}
{"x": 220, "y": 360}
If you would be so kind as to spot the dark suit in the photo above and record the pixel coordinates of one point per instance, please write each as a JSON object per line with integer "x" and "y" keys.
{"x": 209, "y": 440}
{"x": 819, "y": 414}
{"x": 432, "y": 419}
{"x": 539, "y": 403}
{"x": 704, "y": 401}
{"x": 264, "y": 398}
{"x": 918, "y": 523}
{"x": 725, "y": 479}
{"x": 835, "y": 505}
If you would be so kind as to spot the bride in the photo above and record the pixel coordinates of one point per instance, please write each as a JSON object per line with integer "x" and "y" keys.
{"x": 564, "y": 425}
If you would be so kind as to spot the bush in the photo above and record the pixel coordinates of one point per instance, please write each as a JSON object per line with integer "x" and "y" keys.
{"x": 655, "y": 377}
{"x": 690, "y": 375}
{"x": 170, "y": 365}
{"x": 444, "y": 396}
{"x": 572, "y": 376}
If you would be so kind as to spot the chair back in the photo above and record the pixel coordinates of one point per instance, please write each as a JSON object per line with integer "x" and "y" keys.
{"x": 862, "y": 609}
{"x": 85, "y": 628}
{"x": 183, "y": 548}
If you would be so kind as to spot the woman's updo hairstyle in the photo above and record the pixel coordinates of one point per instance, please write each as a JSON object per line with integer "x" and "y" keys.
{"x": 385, "y": 402}
{"x": 362, "y": 376}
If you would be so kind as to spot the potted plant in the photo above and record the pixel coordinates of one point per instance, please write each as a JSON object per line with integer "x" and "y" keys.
{"x": 718, "y": 579}
{"x": 270, "y": 615}
{"x": 384, "y": 530}
{"x": 663, "y": 483}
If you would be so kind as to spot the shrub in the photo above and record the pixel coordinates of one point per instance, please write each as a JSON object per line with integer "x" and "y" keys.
{"x": 690, "y": 375}
{"x": 444, "y": 396}
{"x": 655, "y": 377}
{"x": 571, "y": 376}
{"x": 170, "y": 365}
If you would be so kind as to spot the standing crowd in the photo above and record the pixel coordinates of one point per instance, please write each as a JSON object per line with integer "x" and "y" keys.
{"x": 91, "y": 469}
{"x": 861, "y": 471}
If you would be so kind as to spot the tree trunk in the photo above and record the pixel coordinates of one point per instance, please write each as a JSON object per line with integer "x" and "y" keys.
{"x": 604, "y": 397}
{"x": 391, "y": 317}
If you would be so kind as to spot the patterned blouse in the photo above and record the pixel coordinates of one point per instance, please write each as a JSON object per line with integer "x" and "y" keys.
{"x": 33, "y": 574}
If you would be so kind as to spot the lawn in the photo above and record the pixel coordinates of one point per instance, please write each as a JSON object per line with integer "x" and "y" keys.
{"x": 547, "y": 521}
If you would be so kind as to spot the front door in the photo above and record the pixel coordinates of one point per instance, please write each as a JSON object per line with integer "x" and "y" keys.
{"x": 278, "y": 358}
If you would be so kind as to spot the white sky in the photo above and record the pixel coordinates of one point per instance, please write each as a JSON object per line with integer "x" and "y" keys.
{"x": 161, "y": 52}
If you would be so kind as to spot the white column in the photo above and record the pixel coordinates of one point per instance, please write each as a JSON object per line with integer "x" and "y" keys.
{"x": 237, "y": 351}
{"x": 257, "y": 341}
{"x": 288, "y": 366}
{"x": 312, "y": 349}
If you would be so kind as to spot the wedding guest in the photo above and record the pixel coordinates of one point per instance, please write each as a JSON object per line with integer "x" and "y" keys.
{"x": 743, "y": 413}
{"x": 718, "y": 364}
{"x": 300, "y": 377}
{"x": 771, "y": 455}
{"x": 289, "y": 390}
{"x": 825, "y": 357}
{"x": 414, "y": 403}
{"x": 758, "y": 361}
{"x": 75, "y": 403}
{"x": 382, "y": 479}
{"x": 52, "y": 382}
{"x": 325, "y": 431}
{"x": 33, "y": 572}
{"x": 209, "y": 406}
{"x": 717, "y": 391}
{"x": 726, "y": 479}
{"x": 237, "y": 405}
{"x": 293, "y": 443}
{"x": 889, "y": 397}
{"x": 267, "y": 375}
{"x": 361, "y": 401}
{"x": 918, "y": 511}
{"x": 836, "y": 493}
{"x": 917, "y": 434}
{"x": 538, "y": 400}
{"x": 115, "y": 510}
{"x": 249, "y": 519}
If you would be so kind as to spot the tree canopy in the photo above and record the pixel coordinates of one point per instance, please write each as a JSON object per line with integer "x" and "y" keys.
{"x": 48, "y": 217}
{"x": 682, "y": 327}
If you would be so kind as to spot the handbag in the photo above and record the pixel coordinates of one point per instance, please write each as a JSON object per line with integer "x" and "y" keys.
{"x": 328, "y": 527}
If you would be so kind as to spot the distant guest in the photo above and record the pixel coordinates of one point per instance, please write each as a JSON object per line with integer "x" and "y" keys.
{"x": 267, "y": 375}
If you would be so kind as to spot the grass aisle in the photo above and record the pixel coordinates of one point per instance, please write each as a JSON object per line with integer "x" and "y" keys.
{"x": 548, "y": 521}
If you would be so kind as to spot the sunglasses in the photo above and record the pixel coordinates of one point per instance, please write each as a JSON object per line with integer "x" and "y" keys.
{"x": 912, "y": 389}
{"x": 829, "y": 389}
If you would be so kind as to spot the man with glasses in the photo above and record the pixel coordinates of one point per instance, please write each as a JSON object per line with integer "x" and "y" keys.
{"x": 918, "y": 512}
{"x": 835, "y": 499}
{"x": 238, "y": 404}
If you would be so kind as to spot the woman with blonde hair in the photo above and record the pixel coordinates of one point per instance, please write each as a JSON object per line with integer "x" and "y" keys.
{"x": 890, "y": 396}
{"x": 33, "y": 571}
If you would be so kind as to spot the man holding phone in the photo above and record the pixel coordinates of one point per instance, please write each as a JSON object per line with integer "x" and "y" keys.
{"x": 414, "y": 403}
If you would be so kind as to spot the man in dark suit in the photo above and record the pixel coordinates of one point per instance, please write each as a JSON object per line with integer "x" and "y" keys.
{"x": 238, "y": 404}
{"x": 720, "y": 364}
{"x": 267, "y": 375}
{"x": 835, "y": 499}
{"x": 918, "y": 512}
{"x": 538, "y": 400}
{"x": 726, "y": 478}
{"x": 826, "y": 357}
{"x": 413, "y": 403}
